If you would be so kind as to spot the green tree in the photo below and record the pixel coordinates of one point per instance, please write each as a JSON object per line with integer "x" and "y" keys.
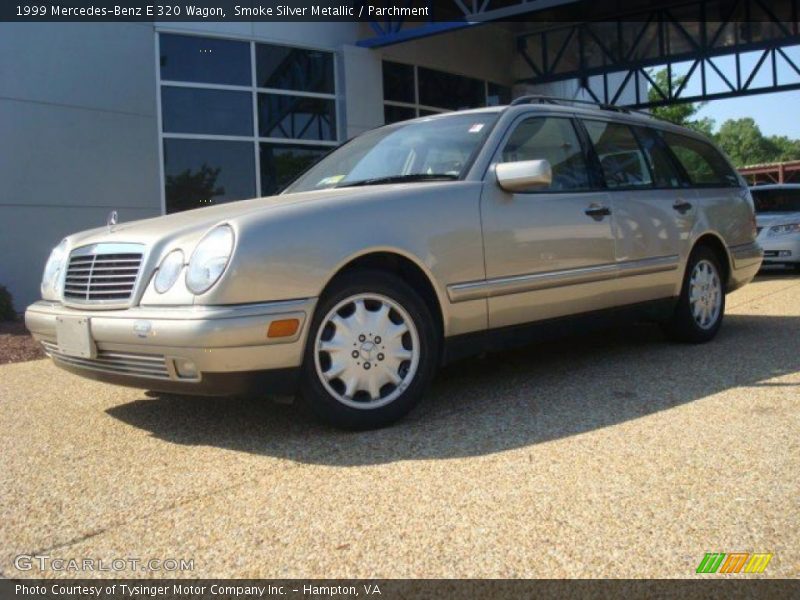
{"x": 680, "y": 114}
{"x": 743, "y": 142}
{"x": 787, "y": 149}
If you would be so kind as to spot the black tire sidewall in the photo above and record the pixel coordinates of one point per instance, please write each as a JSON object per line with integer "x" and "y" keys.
{"x": 683, "y": 327}
{"x": 313, "y": 393}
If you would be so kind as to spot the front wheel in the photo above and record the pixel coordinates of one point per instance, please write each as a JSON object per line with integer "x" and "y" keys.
{"x": 701, "y": 306}
{"x": 372, "y": 351}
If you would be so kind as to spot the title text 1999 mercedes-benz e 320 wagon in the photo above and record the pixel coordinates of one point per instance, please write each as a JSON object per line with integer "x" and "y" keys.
{"x": 407, "y": 246}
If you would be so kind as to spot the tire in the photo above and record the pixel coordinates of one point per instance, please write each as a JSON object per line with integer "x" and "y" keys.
{"x": 360, "y": 369}
{"x": 698, "y": 321}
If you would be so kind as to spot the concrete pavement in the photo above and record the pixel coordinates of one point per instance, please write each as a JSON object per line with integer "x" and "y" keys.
{"x": 615, "y": 454}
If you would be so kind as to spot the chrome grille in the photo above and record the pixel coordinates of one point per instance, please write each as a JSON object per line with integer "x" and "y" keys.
{"x": 97, "y": 276}
{"x": 153, "y": 366}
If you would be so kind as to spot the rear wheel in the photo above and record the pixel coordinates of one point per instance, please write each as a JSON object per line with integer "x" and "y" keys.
{"x": 372, "y": 351}
{"x": 701, "y": 306}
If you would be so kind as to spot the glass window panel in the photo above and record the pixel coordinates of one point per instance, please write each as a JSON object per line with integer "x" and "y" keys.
{"x": 621, "y": 158}
{"x": 200, "y": 173}
{"x": 294, "y": 69}
{"x": 498, "y": 94}
{"x": 393, "y": 114}
{"x": 442, "y": 147}
{"x": 220, "y": 112}
{"x": 282, "y": 163}
{"x": 445, "y": 90}
{"x": 206, "y": 60}
{"x": 776, "y": 200}
{"x": 703, "y": 164}
{"x": 296, "y": 117}
{"x": 663, "y": 168}
{"x": 555, "y": 140}
{"x": 398, "y": 82}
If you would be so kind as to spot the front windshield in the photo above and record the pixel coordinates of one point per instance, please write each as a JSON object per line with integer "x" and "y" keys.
{"x": 428, "y": 149}
{"x": 776, "y": 200}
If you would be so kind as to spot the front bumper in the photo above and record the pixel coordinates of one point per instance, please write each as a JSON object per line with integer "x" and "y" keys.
{"x": 781, "y": 250}
{"x": 147, "y": 347}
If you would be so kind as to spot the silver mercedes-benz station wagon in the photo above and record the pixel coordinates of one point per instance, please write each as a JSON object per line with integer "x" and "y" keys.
{"x": 409, "y": 246}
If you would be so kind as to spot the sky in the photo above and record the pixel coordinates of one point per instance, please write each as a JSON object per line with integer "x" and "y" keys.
{"x": 775, "y": 114}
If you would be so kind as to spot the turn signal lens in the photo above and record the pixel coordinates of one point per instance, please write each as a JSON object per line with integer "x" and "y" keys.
{"x": 283, "y": 328}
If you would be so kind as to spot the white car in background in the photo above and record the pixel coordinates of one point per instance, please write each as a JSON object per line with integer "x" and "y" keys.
{"x": 778, "y": 223}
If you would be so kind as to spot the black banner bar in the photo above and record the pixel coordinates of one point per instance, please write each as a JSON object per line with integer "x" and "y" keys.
{"x": 376, "y": 11}
{"x": 391, "y": 589}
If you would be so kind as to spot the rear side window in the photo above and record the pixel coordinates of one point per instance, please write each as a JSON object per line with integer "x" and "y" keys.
{"x": 622, "y": 160}
{"x": 662, "y": 166}
{"x": 703, "y": 164}
{"x": 555, "y": 140}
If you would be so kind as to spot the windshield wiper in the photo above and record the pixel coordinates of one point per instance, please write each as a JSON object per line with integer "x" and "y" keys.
{"x": 401, "y": 179}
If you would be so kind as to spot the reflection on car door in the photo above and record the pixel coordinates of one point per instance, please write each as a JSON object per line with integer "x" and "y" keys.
{"x": 719, "y": 194}
{"x": 546, "y": 256}
{"x": 652, "y": 209}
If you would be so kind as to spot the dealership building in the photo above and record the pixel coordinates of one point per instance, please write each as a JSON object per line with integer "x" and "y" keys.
{"x": 148, "y": 119}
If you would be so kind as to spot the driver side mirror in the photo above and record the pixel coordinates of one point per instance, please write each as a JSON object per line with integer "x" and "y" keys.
{"x": 523, "y": 175}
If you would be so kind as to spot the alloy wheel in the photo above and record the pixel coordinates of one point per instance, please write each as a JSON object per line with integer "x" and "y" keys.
{"x": 705, "y": 294}
{"x": 366, "y": 351}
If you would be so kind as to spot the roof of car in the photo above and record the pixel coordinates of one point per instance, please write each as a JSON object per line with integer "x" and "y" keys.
{"x": 585, "y": 110}
{"x": 637, "y": 117}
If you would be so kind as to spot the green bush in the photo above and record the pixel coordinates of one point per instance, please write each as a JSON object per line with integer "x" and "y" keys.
{"x": 7, "y": 312}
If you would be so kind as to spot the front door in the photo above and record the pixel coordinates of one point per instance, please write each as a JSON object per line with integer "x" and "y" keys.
{"x": 549, "y": 251}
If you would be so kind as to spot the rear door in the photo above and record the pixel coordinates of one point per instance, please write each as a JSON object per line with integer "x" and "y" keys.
{"x": 653, "y": 210}
{"x": 721, "y": 202}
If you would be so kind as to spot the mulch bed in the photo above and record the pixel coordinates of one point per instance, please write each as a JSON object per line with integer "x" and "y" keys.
{"x": 16, "y": 343}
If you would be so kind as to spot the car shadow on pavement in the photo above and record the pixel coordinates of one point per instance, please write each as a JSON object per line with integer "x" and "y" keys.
{"x": 507, "y": 400}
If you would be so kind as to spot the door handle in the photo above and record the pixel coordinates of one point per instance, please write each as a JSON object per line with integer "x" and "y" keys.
{"x": 682, "y": 206}
{"x": 597, "y": 212}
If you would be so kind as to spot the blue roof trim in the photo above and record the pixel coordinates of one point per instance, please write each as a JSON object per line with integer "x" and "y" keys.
{"x": 415, "y": 33}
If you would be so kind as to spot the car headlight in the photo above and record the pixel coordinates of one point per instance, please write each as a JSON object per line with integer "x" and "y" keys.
{"x": 209, "y": 259}
{"x": 784, "y": 229}
{"x": 168, "y": 271}
{"x": 52, "y": 271}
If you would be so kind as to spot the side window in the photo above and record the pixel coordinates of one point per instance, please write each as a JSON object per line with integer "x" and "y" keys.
{"x": 703, "y": 164}
{"x": 623, "y": 162}
{"x": 661, "y": 164}
{"x": 555, "y": 140}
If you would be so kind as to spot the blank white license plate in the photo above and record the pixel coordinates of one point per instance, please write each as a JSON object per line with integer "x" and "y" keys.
{"x": 74, "y": 336}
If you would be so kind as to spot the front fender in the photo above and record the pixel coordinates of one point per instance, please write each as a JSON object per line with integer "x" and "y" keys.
{"x": 293, "y": 251}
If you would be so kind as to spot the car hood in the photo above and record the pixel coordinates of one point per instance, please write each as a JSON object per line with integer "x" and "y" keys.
{"x": 777, "y": 218}
{"x": 191, "y": 224}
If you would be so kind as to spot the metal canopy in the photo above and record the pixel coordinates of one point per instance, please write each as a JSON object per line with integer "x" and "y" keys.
{"x": 449, "y": 15}
{"x": 710, "y": 48}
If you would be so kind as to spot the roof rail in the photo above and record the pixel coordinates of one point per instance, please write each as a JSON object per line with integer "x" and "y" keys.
{"x": 538, "y": 99}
